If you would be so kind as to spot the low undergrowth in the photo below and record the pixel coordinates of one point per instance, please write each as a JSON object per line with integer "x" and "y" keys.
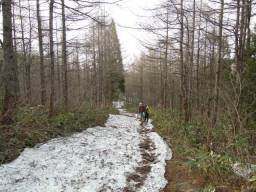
{"x": 212, "y": 151}
{"x": 131, "y": 108}
{"x": 32, "y": 126}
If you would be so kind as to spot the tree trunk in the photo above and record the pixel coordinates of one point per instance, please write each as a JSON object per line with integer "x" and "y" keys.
{"x": 78, "y": 73}
{"x": 58, "y": 65}
{"x": 183, "y": 80}
{"x": 237, "y": 36}
{"x": 14, "y": 30}
{"x": 218, "y": 68}
{"x": 241, "y": 43}
{"x": 64, "y": 58}
{"x": 51, "y": 107}
{"x": 203, "y": 103}
{"x": 24, "y": 57}
{"x": 100, "y": 63}
{"x": 29, "y": 62}
{"x": 249, "y": 14}
{"x": 198, "y": 58}
{"x": 94, "y": 75}
{"x": 166, "y": 59}
{"x": 10, "y": 73}
{"x": 86, "y": 76}
{"x": 141, "y": 80}
{"x": 15, "y": 51}
{"x": 181, "y": 58}
{"x": 41, "y": 53}
{"x": 192, "y": 62}
{"x": 161, "y": 75}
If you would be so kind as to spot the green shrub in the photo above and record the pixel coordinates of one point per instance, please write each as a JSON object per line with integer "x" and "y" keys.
{"x": 206, "y": 152}
{"x": 208, "y": 188}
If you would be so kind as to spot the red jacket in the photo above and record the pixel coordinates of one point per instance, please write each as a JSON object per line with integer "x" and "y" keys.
{"x": 142, "y": 109}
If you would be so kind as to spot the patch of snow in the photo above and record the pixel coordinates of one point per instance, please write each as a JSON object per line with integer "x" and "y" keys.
{"x": 118, "y": 104}
{"x": 244, "y": 170}
{"x": 155, "y": 180}
{"x": 94, "y": 160}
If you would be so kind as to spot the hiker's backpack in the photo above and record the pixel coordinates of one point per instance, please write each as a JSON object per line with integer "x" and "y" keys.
{"x": 148, "y": 109}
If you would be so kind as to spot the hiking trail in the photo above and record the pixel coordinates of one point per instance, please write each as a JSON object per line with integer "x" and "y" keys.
{"x": 122, "y": 156}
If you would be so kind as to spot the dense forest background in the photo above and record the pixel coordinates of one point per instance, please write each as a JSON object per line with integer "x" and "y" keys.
{"x": 199, "y": 70}
{"x": 202, "y": 60}
{"x": 59, "y": 60}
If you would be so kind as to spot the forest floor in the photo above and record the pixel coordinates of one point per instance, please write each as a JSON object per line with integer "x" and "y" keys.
{"x": 32, "y": 126}
{"x": 193, "y": 167}
{"x": 180, "y": 179}
{"x": 123, "y": 156}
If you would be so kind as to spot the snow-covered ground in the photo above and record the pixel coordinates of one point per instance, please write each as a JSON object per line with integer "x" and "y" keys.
{"x": 244, "y": 170}
{"x": 96, "y": 160}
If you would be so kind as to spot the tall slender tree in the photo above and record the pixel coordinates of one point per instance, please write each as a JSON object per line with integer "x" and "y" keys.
{"x": 182, "y": 75}
{"x": 24, "y": 51}
{"x": 64, "y": 57}
{"x": 51, "y": 106}
{"x": 41, "y": 54}
{"x": 218, "y": 69}
{"x": 10, "y": 72}
{"x": 29, "y": 61}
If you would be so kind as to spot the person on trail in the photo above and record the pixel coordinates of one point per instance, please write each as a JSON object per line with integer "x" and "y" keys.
{"x": 142, "y": 111}
{"x": 148, "y": 112}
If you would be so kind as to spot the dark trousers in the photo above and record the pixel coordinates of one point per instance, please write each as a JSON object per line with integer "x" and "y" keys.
{"x": 146, "y": 116}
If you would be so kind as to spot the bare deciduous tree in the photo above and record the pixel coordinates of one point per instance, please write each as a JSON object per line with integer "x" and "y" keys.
{"x": 41, "y": 55}
{"x": 51, "y": 106}
{"x": 10, "y": 66}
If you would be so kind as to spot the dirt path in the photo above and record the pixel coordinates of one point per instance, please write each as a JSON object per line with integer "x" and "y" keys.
{"x": 136, "y": 179}
{"x": 180, "y": 179}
